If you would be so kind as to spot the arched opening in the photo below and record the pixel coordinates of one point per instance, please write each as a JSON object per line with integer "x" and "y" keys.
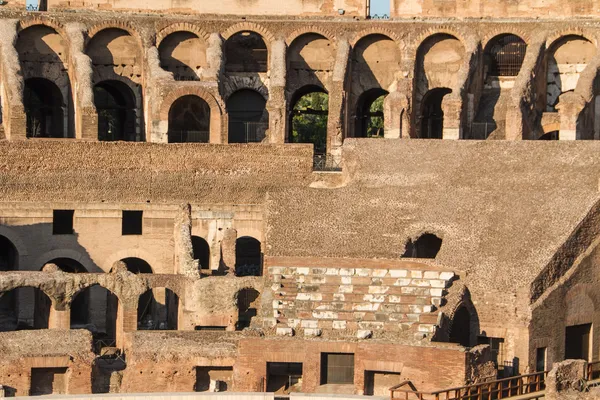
{"x": 115, "y": 103}
{"x": 9, "y": 256}
{"x": 137, "y": 265}
{"x": 189, "y": 120}
{"x": 550, "y": 136}
{"x": 369, "y": 113}
{"x": 309, "y": 55}
{"x": 44, "y": 109}
{"x": 247, "y": 302}
{"x": 82, "y": 304}
{"x": 68, "y": 265}
{"x": 566, "y": 60}
{"x": 460, "y": 330}
{"x": 201, "y": 251}
{"x": 432, "y": 116}
{"x": 101, "y": 319}
{"x": 248, "y": 117}
{"x": 248, "y": 257}
{"x": 309, "y": 113}
{"x": 158, "y": 309}
{"x": 246, "y": 52}
{"x": 183, "y": 54}
{"x": 426, "y": 246}
{"x": 24, "y": 308}
{"x": 504, "y": 55}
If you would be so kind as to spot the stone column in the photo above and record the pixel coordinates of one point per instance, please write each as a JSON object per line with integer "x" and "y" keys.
{"x": 451, "y": 107}
{"x": 183, "y": 249}
{"x": 569, "y": 109}
{"x": 214, "y": 58}
{"x": 396, "y": 119}
{"x": 276, "y": 105}
{"x": 337, "y": 101}
{"x": 228, "y": 251}
{"x": 14, "y": 120}
{"x": 80, "y": 74}
{"x": 60, "y": 317}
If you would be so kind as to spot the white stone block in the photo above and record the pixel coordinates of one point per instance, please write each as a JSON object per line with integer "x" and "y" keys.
{"x": 431, "y": 275}
{"x": 303, "y": 296}
{"x": 312, "y": 332}
{"x": 398, "y": 273}
{"x": 394, "y": 299}
{"x": 276, "y": 314}
{"x": 276, "y": 304}
{"x": 309, "y": 323}
{"x": 293, "y": 322}
{"x": 346, "y": 289}
{"x": 416, "y": 274}
{"x": 362, "y": 272}
{"x": 339, "y": 324}
{"x": 378, "y": 289}
{"x": 426, "y": 328}
{"x": 303, "y": 271}
{"x": 415, "y": 309}
{"x": 346, "y": 271}
{"x": 363, "y": 307}
{"x": 276, "y": 270}
{"x": 339, "y": 297}
{"x": 436, "y": 292}
{"x": 275, "y": 287}
{"x": 332, "y": 271}
{"x": 374, "y": 298}
{"x": 427, "y": 309}
{"x": 364, "y": 334}
{"x": 420, "y": 282}
{"x": 346, "y": 280}
{"x": 446, "y": 275}
{"x": 325, "y": 314}
{"x": 380, "y": 273}
{"x": 284, "y": 331}
{"x": 402, "y": 282}
{"x": 436, "y": 283}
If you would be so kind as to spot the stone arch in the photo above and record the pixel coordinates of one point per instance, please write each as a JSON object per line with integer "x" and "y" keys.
{"x": 181, "y": 27}
{"x": 216, "y": 108}
{"x": 49, "y": 22}
{"x": 106, "y": 322}
{"x": 307, "y": 30}
{"x": 183, "y": 53}
{"x": 78, "y": 256}
{"x": 426, "y": 245}
{"x": 158, "y": 309}
{"x": 251, "y": 27}
{"x": 463, "y": 308}
{"x": 131, "y": 253}
{"x": 314, "y": 57}
{"x": 16, "y": 240}
{"x": 246, "y": 52}
{"x": 248, "y": 256}
{"x": 189, "y": 120}
{"x": 308, "y": 121}
{"x": 235, "y": 85}
{"x": 248, "y": 117}
{"x": 491, "y": 35}
{"x": 9, "y": 255}
{"x": 556, "y": 36}
{"x": 201, "y": 250}
{"x": 358, "y": 36}
{"x": 430, "y": 33}
{"x": 36, "y": 317}
{"x": 114, "y": 24}
{"x": 555, "y": 126}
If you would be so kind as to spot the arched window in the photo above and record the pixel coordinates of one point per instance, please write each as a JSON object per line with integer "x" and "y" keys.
{"x": 158, "y": 309}
{"x": 137, "y": 265}
{"x": 9, "y": 257}
{"x": 24, "y": 308}
{"x": 101, "y": 317}
{"x": 247, "y": 307}
{"x": 309, "y": 113}
{"x": 426, "y": 246}
{"x": 248, "y": 257}
{"x": 246, "y": 52}
{"x": 81, "y": 305}
{"x": 201, "y": 251}
{"x": 248, "y": 119}
{"x": 183, "y": 54}
{"x": 369, "y": 113}
{"x": 68, "y": 265}
{"x": 504, "y": 55}
{"x": 44, "y": 109}
{"x": 460, "y": 330}
{"x": 432, "y": 116}
{"x": 115, "y": 103}
{"x": 189, "y": 120}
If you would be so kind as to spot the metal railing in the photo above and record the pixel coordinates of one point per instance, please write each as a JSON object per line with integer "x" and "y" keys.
{"x": 255, "y": 131}
{"x": 189, "y": 136}
{"x": 593, "y": 371}
{"x": 499, "y": 389}
{"x": 326, "y": 163}
{"x": 379, "y": 17}
{"x": 481, "y": 130}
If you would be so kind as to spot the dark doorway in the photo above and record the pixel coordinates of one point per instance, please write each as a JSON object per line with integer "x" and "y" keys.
{"x": 44, "y": 109}
{"x": 100, "y": 316}
{"x": 549, "y": 136}
{"x": 158, "y": 309}
{"x": 189, "y": 120}
{"x": 48, "y": 381}
{"x": 248, "y": 257}
{"x": 540, "y": 359}
{"x": 283, "y": 377}
{"x": 115, "y": 103}
{"x": 432, "y": 116}
{"x": 248, "y": 120}
{"x": 460, "y": 331}
{"x": 337, "y": 368}
{"x": 214, "y": 379}
{"x": 247, "y": 309}
{"x": 504, "y": 55}
{"x": 369, "y": 113}
{"x": 378, "y": 383}
{"x": 246, "y": 52}
{"x": 9, "y": 257}
{"x": 24, "y": 308}
{"x": 427, "y": 245}
{"x": 577, "y": 342}
{"x": 309, "y": 114}
{"x": 201, "y": 251}
{"x": 137, "y": 265}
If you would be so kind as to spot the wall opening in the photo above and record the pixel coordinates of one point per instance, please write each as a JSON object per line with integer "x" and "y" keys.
{"x": 44, "y": 109}
{"x": 137, "y": 265}
{"x": 62, "y": 222}
{"x": 378, "y": 9}
{"x": 189, "y": 120}
{"x": 378, "y": 383}
{"x": 24, "y": 308}
{"x": 540, "y": 359}
{"x": 309, "y": 114}
{"x": 201, "y": 251}
{"x": 158, "y": 309}
{"x": 9, "y": 256}
{"x": 460, "y": 330}
{"x": 100, "y": 316}
{"x": 248, "y": 117}
{"x": 248, "y": 257}
{"x": 115, "y": 103}
{"x": 132, "y": 222}
{"x": 246, "y": 52}
{"x": 369, "y": 113}
{"x": 48, "y": 381}
{"x": 504, "y": 55}
{"x": 577, "y": 342}
{"x": 554, "y": 135}
{"x": 184, "y": 55}
{"x": 213, "y": 379}
{"x": 247, "y": 302}
{"x": 284, "y": 377}
{"x": 432, "y": 116}
{"x": 427, "y": 245}
{"x": 337, "y": 368}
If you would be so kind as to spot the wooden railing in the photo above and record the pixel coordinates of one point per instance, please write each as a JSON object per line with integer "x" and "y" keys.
{"x": 593, "y": 370}
{"x": 499, "y": 389}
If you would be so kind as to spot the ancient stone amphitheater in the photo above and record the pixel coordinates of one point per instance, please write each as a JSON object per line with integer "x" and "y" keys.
{"x": 298, "y": 196}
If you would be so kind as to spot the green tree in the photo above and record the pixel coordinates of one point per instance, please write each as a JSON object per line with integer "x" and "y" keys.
{"x": 309, "y": 123}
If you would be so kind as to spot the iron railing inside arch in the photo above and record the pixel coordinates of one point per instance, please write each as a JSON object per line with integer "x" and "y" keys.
{"x": 255, "y": 132}
{"x": 189, "y": 136}
{"x": 326, "y": 163}
{"x": 379, "y": 17}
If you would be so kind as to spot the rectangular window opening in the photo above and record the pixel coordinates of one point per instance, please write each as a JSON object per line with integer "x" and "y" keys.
{"x": 284, "y": 378}
{"x": 577, "y": 342}
{"x": 337, "y": 368}
{"x": 62, "y": 222}
{"x": 540, "y": 359}
{"x": 48, "y": 381}
{"x": 210, "y": 328}
{"x": 132, "y": 222}
{"x": 213, "y": 379}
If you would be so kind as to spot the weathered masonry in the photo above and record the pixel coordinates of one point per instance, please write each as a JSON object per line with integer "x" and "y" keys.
{"x": 230, "y": 198}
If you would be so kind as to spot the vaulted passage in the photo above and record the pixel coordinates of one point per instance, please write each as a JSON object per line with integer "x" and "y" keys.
{"x": 309, "y": 114}
{"x": 460, "y": 331}
{"x": 201, "y": 251}
{"x": 248, "y": 257}
{"x": 24, "y": 308}
{"x": 246, "y": 52}
{"x": 248, "y": 117}
{"x": 184, "y": 55}
{"x": 189, "y": 120}
{"x": 247, "y": 301}
{"x": 158, "y": 309}
{"x": 9, "y": 257}
{"x": 425, "y": 246}
{"x": 369, "y": 113}
{"x": 44, "y": 109}
{"x": 115, "y": 104}
{"x": 432, "y": 116}
{"x": 100, "y": 318}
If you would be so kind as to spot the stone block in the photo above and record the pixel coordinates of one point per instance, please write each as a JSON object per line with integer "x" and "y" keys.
{"x": 416, "y": 274}
{"x": 309, "y": 324}
{"x": 346, "y": 289}
{"x": 332, "y": 271}
{"x": 276, "y": 270}
{"x": 447, "y": 275}
{"x": 364, "y": 334}
{"x": 346, "y": 271}
{"x": 276, "y": 304}
{"x": 319, "y": 271}
{"x": 374, "y": 298}
{"x": 436, "y": 292}
{"x": 436, "y": 283}
{"x": 293, "y": 322}
{"x": 402, "y": 282}
{"x": 318, "y": 279}
{"x": 275, "y": 287}
{"x": 362, "y": 272}
{"x": 426, "y": 328}
{"x": 302, "y": 271}
{"x": 380, "y": 273}
{"x": 378, "y": 289}
{"x": 339, "y": 297}
{"x": 346, "y": 280}
{"x": 420, "y": 282}
{"x": 311, "y": 332}
{"x": 398, "y": 273}
{"x": 325, "y": 314}
{"x": 363, "y": 307}
{"x": 431, "y": 275}
{"x": 276, "y": 278}
{"x": 415, "y": 309}
{"x": 281, "y": 331}
{"x": 339, "y": 325}
{"x": 371, "y": 325}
